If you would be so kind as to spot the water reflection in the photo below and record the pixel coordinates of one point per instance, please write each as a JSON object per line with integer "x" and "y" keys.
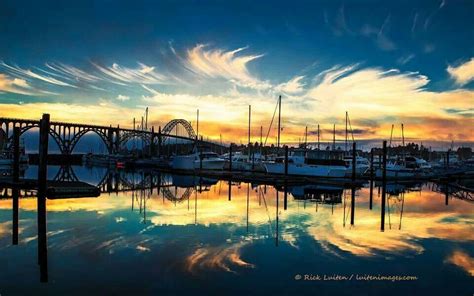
{"x": 178, "y": 225}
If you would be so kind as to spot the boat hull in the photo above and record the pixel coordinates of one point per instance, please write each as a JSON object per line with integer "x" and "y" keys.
{"x": 306, "y": 170}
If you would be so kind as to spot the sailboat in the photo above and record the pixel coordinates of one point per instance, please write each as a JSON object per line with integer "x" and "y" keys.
{"x": 301, "y": 165}
{"x": 362, "y": 163}
{"x": 401, "y": 167}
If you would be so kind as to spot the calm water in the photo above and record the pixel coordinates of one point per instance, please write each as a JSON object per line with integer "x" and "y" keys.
{"x": 190, "y": 238}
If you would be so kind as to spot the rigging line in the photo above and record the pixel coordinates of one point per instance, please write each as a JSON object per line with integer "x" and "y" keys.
{"x": 268, "y": 214}
{"x": 350, "y": 126}
{"x": 271, "y": 123}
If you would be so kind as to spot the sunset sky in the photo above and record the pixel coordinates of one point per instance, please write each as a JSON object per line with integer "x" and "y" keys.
{"x": 103, "y": 62}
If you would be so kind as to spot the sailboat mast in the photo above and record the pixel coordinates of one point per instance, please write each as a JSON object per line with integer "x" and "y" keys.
{"x": 345, "y": 149}
{"x": 318, "y": 138}
{"x": 334, "y": 137}
{"x": 279, "y": 121}
{"x": 403, "y": 137}
{"x": 391, "y": 135}
{"x": 403, "y": 144}
{"x": 250, "y": 116}
{"x": 197, "y": 124}
{"x": 146, "y": 118}
{"x": 306, "y": 137}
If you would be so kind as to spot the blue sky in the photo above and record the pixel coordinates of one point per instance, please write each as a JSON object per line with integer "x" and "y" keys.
{"x": 234, "y": 53}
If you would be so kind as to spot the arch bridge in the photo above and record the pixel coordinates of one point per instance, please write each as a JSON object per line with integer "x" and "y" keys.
{"x": 67, "y": 135}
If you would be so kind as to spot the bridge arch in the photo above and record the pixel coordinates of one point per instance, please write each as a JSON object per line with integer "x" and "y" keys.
{"x": 52, "y": 133}
{"x": 100, "y": 132}
{"x": 175, "y": 122}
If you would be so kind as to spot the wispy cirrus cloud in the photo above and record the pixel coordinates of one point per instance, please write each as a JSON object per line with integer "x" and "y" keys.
{"x": 463, "y": 73}
{"x": 14, "y": 85}
{"x": 72, "y": 72}
{"x": 29, "y": 74}
{"x": 143, "y": 74}
{"x": 217, "y": 63}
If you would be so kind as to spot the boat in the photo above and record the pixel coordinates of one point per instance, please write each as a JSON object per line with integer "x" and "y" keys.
{"x": 241, "y": 162}
{"x": 6, "y": 157}
{"x": 198, "y": 160}
{"x": 318, "y": 193}
{"x": 301, "y": 166}
{"x": 400, "y": 168}
{"x": 362, "y": 165}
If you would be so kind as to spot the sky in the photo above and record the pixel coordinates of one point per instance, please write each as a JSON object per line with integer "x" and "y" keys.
{"x": 104, "y": 62}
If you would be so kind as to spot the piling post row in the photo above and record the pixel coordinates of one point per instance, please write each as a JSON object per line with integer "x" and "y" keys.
{"x": 384, "y": 185}
{"x": 16, "y": 177}
{"x": 41, "y": 199}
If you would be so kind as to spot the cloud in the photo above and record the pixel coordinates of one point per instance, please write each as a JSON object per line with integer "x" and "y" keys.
{"x": 72, "y": 72}
{"x": 463, "y": 73}
{"x": 122, "y": 98}
{"x": 293, "y": 86}
{"x": 466, "y": 112}
{"x": 367, "y": 90}
{"x": 217, "y": 63}
{"x": 405, "y": 59}
{"x": 143, "y": 74}
{"x": 26, "y": 73}
{"x": 380, "y": 35}
{"x": 14, "y": 85}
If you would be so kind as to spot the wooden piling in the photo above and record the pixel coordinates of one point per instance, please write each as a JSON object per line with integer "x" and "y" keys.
{"x": 16, "y": 177}
{"x": 230, "y": 158}
{"x": 371, "y": 192}
{"x": 384, "y": 186}
{"x": 353, "y": 161}
{"x": 41, "y": 199}
{"x": 352, "y": 205}
{"x": 286, "y": 161}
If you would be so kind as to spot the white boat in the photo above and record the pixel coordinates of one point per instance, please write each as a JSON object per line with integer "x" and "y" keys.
{"x": 298, "y": 165}
{"x": 209, "y": 160}
{"x": 362, "y": 165}
{"x": 241, "y": 162}
{"x": 401, "y": 169}
{"x": 419, "y": 162}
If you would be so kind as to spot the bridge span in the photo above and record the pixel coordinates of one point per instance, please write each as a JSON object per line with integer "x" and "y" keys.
{"x": 67, "y": 135}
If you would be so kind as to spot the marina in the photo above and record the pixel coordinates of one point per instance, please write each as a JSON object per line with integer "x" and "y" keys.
{"x": 236, "y": 148}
